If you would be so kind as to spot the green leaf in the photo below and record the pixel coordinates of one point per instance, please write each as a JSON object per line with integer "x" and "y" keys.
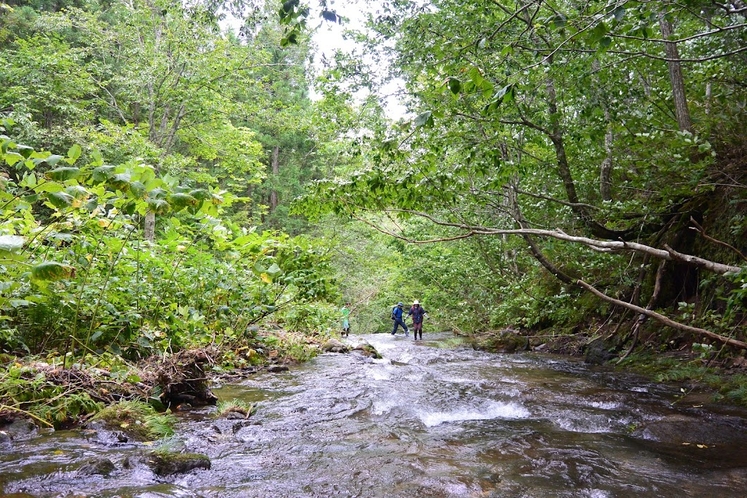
{"x": 77, "y": 192}
{"x": 12, "y": 158}
{"x": 138, "y": 190}
{"x": 619, "y": 13}
{"x": 60, "y": 200}
{"x": 157, "y": 193}
{"x": 121, "y": 182}
{"x": 504, "y": 94}
{"x": 596, "y": 34}
{"x": 200, "y": 194}
{"x": 103, "y": 173}
{"x": 158, "y": 206}
{"x": 52, "y": 270}
{"x": 73, "y": 154}
{"x": 558, "y": 21}
{"x": 274, "y": 270}
{"x": 25, "y": 150}
{"x": 180, "y": 201}
{"x": 52, "y": 159}
{"x": 97, "y": 158}
{"x": 424, "y": 119}
{"x": 63, "y": 173}
{"x": 455, "y": 85}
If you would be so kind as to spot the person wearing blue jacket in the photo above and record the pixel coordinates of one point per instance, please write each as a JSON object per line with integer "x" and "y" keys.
{"x": 399, "y": 320}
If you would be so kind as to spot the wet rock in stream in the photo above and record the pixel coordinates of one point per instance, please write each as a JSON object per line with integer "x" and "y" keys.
{"x": 684, "y": 430}
{"x": 367, "y": 350}
{"x": 163, "y": 463}
{"x": 334, "y": 346}
{"x": 96, "y": 466}
{"x": 19, "y": 430}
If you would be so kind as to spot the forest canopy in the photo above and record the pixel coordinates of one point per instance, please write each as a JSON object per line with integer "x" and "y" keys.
{"x": 603, "y": 137}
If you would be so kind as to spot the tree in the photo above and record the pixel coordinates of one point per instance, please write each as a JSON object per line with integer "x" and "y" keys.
{"x": 515, "y": 104}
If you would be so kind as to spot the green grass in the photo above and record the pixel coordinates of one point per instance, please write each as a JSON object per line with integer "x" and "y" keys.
{"x": 138, "y": 419}
{"x": 235, "y": 406}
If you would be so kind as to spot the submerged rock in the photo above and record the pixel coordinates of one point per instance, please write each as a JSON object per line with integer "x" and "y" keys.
{"x": 19, "y": 429}
{"x": 165, "y": 464}
{"x": 5, "y": 441}
{"x": 97, "y": 466}
{"x": 599, "y": 351}
{"x": 683, "y": 430}
{"x": 367, "y": 350}
{"x": 334, "y": 346}
{"x": 504, "y": 341}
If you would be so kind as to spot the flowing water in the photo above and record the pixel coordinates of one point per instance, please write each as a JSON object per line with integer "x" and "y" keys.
{"x": 425, "y": 421}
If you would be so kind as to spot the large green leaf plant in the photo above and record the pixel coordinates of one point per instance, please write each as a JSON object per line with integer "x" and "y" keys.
{"x": 78, "y": 275}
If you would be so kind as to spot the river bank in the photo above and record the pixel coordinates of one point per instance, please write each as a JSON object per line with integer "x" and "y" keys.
{"x": 706, "y": 371}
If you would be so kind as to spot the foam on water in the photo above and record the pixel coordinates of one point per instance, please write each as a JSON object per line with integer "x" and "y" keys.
{"x": 491, "y": 410}
{"x": 605, "y": 405}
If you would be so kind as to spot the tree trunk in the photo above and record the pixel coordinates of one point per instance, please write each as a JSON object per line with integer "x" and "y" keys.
{"x": 605, "y": 171}
{"x": 275, "y": 172}
{"x": 675, "y": 75}
{"x": 564, "y": 170}
{"x": 149, "y": 227}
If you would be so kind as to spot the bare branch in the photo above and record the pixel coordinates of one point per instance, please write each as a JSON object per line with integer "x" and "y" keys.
{"x": 661, "y": 318}
{"x": 680, "y": 40}
{"x": 552, "y": 199}
{"x": 668, "y": 253}
{"x": 700, "y": 230}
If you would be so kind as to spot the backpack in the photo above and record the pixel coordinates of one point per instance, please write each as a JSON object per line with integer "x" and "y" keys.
{"x": 393, "y": 316}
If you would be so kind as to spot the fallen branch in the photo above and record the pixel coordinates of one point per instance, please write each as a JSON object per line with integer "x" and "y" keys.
{"x": 611, "y": 246}
{"x": 661, "y": 318}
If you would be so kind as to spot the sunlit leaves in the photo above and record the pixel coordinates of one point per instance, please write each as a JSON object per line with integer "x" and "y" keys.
{"x": 60, "y": 200}
{"x": 424, "y": 119}
{"x": 180, "y": 201}
{"x": 52, "y": 270}
{"x": 63, "y": 173}
{"x": 505, "y": 94}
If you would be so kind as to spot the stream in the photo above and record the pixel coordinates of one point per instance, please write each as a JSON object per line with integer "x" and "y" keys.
{"x": 425, "y": 421}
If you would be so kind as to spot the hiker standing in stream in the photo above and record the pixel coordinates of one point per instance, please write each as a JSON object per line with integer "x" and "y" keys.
{"x": 399, "y": 320}
{"x": 345, "y": 311}
{"x": 417, "y": 313}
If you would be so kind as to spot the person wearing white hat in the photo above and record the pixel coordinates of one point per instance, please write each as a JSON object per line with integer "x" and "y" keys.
{"x": 417, "y": 313}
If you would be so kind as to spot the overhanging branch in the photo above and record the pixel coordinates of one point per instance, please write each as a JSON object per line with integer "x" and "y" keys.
{"x": 667, "y": 254}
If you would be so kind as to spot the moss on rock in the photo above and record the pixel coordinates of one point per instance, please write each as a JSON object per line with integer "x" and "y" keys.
{"x": 167, "y": 463}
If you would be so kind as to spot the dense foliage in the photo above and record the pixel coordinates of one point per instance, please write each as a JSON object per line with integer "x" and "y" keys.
{"x": 559, "y": 149}
{"x": 143, "y": 154}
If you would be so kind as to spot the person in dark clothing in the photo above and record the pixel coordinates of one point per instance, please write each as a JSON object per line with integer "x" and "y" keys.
{"x": 417, "y": 313}
{"x": 398, "y": 320}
